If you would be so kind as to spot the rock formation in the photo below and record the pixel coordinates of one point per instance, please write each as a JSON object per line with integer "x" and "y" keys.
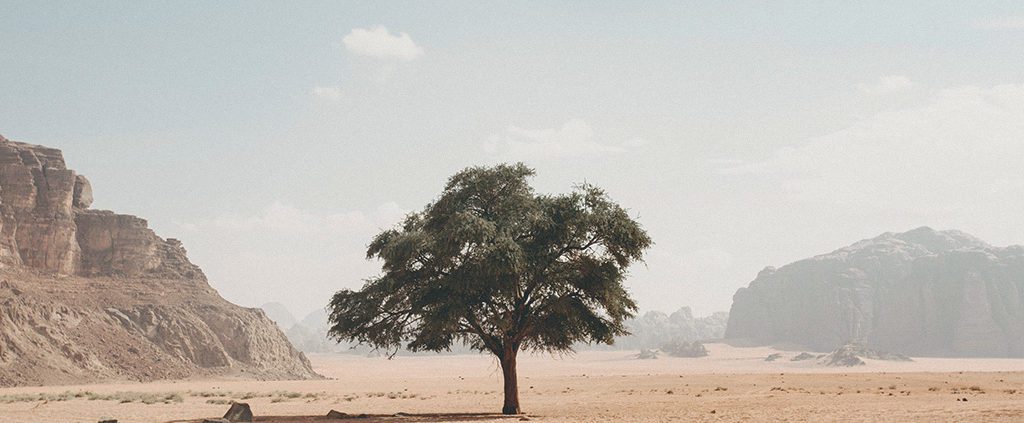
{"x": 922, "y": 292}
{"x": 87, "y": 295}
{"x": 647, "y": 354}
{"x": 654, "y": 328}
{"x": 852, "y": 354}
{"x": 685, "y": 349}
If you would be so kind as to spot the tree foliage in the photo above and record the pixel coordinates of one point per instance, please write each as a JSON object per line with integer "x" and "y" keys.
{"x": 498, "y": 267}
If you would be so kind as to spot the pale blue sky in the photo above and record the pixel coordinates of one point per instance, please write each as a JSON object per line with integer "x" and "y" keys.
{"x": 742, "y": 134}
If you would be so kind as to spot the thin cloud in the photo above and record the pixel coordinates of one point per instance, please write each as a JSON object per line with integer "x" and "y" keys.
{"x": 379, "y": 43}
{"x": 573, "y": 139}
{"x": 885, "y": 85}
{"x": 326, "y": 93}
{"x": 963, "y": 143}
{"x": 1003, "y": 23}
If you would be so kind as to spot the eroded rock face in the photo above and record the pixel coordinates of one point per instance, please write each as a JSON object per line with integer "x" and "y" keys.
{"x": 89, "y": 295}
{"x": 923, "y": 292}
{"x": 117, "y": 244}
{"x": 36, "y": 191}
{"x": 47, "y": 223}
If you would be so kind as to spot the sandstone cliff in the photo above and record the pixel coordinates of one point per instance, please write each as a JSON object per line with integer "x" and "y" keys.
{"x": 923, "y": 292}
{"x": 91, "y": 295}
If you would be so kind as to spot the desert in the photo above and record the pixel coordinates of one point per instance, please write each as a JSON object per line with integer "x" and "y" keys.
{"x": 730, "y": 384}
{"x": 507, "y": 211}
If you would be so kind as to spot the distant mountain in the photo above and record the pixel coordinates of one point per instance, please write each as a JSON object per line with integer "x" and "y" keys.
{"x": 651, "y": 330}
{"x": 654, "y": 328}
{"x": 922, "y": 292}
{"x": 310, "y": 334}
{"x": 279, "y": 314}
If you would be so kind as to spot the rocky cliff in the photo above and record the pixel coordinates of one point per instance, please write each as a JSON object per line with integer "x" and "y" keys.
{"x": 90, "y": 295}
{"x": 922, "y": 292}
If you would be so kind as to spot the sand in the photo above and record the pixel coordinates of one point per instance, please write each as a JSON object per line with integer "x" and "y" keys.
{"x": 732, "y": 384}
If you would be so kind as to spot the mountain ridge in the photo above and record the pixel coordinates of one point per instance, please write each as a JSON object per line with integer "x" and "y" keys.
{"x": 920, "y": 292}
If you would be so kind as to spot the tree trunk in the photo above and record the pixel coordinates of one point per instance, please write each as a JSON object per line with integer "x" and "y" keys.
{"x": 508, "y": 369}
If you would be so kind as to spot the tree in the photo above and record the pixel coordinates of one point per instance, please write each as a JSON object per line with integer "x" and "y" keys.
{"x": 500, "y": 268}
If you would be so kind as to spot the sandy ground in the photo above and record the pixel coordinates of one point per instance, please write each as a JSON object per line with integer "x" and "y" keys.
{"x": 732, "y": 384}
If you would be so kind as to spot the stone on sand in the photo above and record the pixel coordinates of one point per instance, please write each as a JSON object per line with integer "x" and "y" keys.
{"x": 239, "y": 412}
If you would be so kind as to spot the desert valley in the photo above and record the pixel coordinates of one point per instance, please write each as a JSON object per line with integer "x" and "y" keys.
{"x": 104, "y": 320}
{"x": 730, "y": 384}
{"x": 507, "y": 211}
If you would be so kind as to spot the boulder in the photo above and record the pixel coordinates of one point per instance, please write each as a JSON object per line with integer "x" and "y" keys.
{"x": 82, "y": 197}
{"x": 239, "y": 412}
{"x": 334, "y": 414}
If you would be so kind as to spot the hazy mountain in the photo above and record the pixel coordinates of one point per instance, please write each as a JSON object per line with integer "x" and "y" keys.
{"x": 650, "y": 330}
{"x": 310, "y": 334}
{"x": 654, "y": 328}
{"x": 279, "y": 314}
{"x": 922, "y": 292}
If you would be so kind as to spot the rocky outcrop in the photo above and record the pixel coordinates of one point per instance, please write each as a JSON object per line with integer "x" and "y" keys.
{"x": 647, "y": 354}
{"x": 922, "y": 292}
{"x": 116, "y": 244}
{"x": 47, "y": 223}
{"x": 852, "y": 354}
{"x": 654, "y": 328}
{"x": 91, "y": 295}
{"x": 685, "y": 349}
{"x": 37, "y": 204}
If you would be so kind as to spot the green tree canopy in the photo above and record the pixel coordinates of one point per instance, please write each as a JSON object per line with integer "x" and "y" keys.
{"x": 500, "y": 268}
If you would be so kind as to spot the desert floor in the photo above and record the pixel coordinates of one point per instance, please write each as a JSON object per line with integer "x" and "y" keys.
{"x": 732, "y": 384}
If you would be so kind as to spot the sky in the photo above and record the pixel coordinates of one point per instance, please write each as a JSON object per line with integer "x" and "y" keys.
{"x": 276, "y": 138}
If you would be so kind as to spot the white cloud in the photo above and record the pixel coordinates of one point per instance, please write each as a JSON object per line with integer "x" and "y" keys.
{"x": 1003, "y": 23}
{"x": 378, "y": 42}
{"x": 959, "y": 154}
{"x": 889, "y": 84}
{"x": 574, "y": 139}
{"x": 326, "y": 93}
